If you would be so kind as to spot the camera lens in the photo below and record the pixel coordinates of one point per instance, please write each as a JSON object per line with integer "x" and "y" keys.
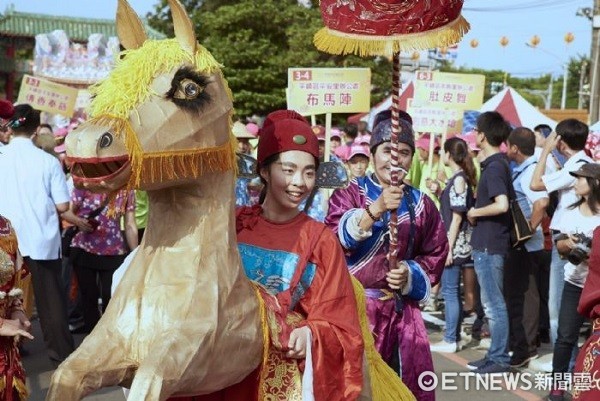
{"x": 576, "y": 256}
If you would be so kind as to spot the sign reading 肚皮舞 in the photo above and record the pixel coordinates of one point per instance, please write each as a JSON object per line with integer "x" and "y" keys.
{"x": 45, "y": 95}
{"x": 329, "y": 90}
{"x": 445, "y": 89}
{"x": 441, "y": 98}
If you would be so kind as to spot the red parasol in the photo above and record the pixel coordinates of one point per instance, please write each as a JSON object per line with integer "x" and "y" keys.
{"x": 384, "y": 28}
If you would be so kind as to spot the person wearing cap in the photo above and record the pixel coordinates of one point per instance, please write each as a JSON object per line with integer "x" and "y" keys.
{"x": 588, "y": 359}
{"x": 576, "y": 226}
{"x": 434, "y": 173}
{"x": 32, "y": 200}
{"x": 569, "y": 139}
{"x": 246, "y": 191}
{"x": 336, "y": 139}
{"x": 360, "y": 216}
{"x": 300, "y": 261}
{"x": 6, "y": 112}
{"x": 358, "y": 160}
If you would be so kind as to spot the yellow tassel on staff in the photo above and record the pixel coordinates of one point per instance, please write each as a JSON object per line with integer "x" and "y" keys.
{"x": 336, "y": 42}
{"x": 386, "y": 385}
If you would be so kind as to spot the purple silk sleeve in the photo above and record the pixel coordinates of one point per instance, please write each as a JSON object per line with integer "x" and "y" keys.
{"x": 341, "y": 201}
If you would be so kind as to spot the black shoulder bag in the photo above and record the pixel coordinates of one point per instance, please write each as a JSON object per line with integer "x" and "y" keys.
{"x": 520, "y": 229}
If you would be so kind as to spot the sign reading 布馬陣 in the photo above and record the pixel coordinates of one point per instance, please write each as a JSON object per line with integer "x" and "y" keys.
{"x": 47, "y": 96}
{"x": 329, "y": 90}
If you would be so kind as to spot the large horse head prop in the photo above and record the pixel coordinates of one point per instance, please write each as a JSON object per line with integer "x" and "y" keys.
{"x": 161, "y": 118}
{"x": 161, "y": 122}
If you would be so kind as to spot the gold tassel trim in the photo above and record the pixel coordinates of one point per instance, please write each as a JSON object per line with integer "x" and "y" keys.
{"x": 264, "y": 324}
{"x": 385, "y": 383}
{"x": 340, "y": 43}
{"x": 9, "y": 243}
{"x": 173, "y": 165}
{"x": 18, "y": 385}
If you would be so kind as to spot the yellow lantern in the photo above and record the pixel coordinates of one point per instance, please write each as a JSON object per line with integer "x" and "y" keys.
{"x": 504, "y": 41}
{"x": 474, "y": 43}
{"x": 443, "y": 50}
{"x": 415, "y": 56}
{"x": 534, "y": 41}
{"x": 569, "y": 37}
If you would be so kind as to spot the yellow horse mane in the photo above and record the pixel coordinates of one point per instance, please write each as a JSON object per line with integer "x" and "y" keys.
{"x": 115, "y": 98}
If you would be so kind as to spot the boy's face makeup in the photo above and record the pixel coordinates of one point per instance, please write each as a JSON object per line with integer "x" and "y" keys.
{"x": 289, "y": 180}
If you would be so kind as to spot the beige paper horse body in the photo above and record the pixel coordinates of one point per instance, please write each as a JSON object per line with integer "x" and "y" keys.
{"x": 185, "y": 319}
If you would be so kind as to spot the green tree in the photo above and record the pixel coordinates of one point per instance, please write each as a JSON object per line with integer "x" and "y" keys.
{"x": 258, "y": 40}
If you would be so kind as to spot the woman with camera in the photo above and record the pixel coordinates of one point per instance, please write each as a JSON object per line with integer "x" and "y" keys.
{"x": 576, "y": 226}
{"x": 99, "y": 246}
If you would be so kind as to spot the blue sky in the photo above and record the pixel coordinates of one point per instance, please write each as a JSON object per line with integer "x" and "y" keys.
{"x": 518, "y": 20}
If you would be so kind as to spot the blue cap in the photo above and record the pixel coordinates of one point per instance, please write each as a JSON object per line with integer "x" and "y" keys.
{"x": 383, "y": 133}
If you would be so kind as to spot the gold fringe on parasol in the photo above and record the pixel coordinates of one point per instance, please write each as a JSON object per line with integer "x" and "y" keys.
{"x": 340, "y": 43}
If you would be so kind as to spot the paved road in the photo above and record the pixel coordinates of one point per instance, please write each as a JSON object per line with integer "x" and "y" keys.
{"x": 39, "y": 370}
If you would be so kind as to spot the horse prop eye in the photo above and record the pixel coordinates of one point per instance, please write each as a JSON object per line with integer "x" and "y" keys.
{"x": 106, "y": 140}
{"x": 188, "y": 90}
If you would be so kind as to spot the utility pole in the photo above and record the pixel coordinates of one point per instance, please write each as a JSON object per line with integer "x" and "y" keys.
{"x": 595, "y": 67}
{"x": 581, "y": 80}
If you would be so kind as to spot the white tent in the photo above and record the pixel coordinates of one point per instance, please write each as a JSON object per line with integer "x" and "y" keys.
{"x": 516, "y": 110}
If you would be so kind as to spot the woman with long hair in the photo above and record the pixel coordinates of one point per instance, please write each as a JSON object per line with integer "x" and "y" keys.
{"x": 455, "y": 200}
{"x": 576, "y": 227}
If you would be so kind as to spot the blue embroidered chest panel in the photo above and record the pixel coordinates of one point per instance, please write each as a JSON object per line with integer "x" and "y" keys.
{"x": 274, "y": 269}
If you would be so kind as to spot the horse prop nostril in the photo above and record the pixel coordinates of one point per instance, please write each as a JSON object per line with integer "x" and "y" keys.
{"x": 106, "y": 140}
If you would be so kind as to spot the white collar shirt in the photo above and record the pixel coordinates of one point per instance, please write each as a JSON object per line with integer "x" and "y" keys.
{"x": 563, "y": 182}
{"x": 32, "y": 184}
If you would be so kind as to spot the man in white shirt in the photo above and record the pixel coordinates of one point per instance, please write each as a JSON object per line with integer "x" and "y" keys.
{"x": 34, "y": 192}
{"x": 525, "y": 265}
{"x": 569, "y": 139}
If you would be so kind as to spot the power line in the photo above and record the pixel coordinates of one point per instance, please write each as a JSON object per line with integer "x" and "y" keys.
{"x": 523, "y": 6}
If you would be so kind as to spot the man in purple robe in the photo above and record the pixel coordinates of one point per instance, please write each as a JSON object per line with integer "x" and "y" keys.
{"x": 360, "y": 215}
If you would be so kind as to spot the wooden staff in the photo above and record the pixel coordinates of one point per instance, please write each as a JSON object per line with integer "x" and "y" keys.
{"x": 397, "y": 172}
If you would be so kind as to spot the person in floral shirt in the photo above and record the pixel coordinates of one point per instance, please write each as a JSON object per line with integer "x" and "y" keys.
{"x": 100, "y": 246}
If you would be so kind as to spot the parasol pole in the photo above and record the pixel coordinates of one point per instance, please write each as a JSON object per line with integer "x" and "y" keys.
{"x": 397, "y": 173}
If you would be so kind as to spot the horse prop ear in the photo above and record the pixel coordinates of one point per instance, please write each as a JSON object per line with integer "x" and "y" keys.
{"x": 129, "y": 27}
{"x": 184, "y": 29}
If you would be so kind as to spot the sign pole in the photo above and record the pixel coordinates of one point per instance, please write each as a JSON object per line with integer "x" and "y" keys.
{"x": 327, "y": 136}
{"x": 430, "y": 155}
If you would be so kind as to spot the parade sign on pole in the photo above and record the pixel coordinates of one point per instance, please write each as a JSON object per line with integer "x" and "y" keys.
{"x": 441, "y": 98}
{"x": 444, "y": 89}
{"x": 437, "y": 120}
{"x": 329, "y": 90}
{"x": 47, "y": 96}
